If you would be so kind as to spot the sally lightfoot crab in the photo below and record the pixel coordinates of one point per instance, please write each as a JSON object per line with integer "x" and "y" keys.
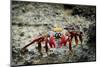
{"x": 56, "y": 39}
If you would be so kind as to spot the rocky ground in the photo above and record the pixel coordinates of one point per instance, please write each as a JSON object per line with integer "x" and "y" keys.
{"x": 30, "y": 19}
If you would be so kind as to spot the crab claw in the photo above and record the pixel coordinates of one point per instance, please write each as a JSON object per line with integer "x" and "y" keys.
{"x": 52, "y": 42}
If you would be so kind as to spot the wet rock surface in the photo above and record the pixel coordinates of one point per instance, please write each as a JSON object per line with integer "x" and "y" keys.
{"x": 31, "y": 19}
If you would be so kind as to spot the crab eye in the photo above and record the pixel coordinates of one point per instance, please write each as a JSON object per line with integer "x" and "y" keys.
{"x": 56, "y": 35}
{"x": 59, "y": 34}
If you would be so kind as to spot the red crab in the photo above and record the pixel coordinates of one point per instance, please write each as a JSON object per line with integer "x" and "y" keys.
{"x": 50, "y": 40}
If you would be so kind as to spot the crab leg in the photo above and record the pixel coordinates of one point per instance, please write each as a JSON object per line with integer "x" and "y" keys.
{"x": 39, "y": 48}
{"x": 63, "y": 41}
{"x": 80, "y": 37}
{"x": 76, "y": 40}
{"x": 35, "y": 40}
{"x": 70, "y": 45}
{"x": 46, "y": 45}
